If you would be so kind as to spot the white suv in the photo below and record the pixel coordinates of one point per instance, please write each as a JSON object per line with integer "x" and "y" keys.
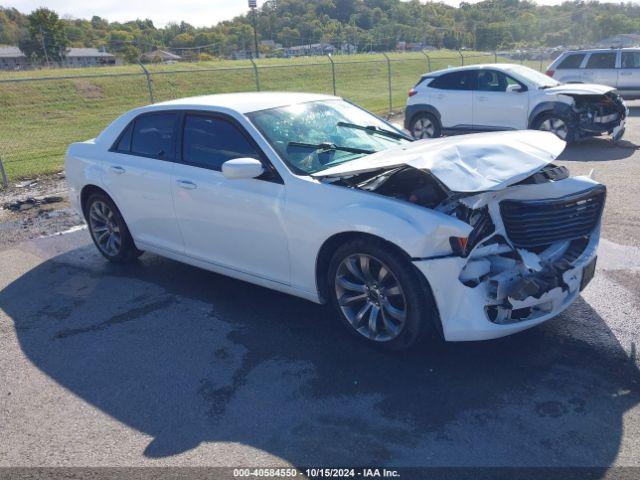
{"x": 619, "y": 68}
{"x": 511, "y": 97}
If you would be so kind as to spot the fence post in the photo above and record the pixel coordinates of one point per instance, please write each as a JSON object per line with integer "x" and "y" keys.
{"x": 495, "y": 57}
{"x": 3, "y": 174}
{"x": 428, "y": 60}
{"x": 333, "y": 73}
{"x": 540, "y": 62}
{"x": 461, "y": 58}
{"x": 389, "y": 82}
{"x": 255, "y": 71}
{"x": 149, "y": 85}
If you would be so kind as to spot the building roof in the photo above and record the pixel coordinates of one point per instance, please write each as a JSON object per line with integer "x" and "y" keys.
{"x": 10, "y": 52}
{"x": 247, "y": 102}
{"x": 87, "y": 52}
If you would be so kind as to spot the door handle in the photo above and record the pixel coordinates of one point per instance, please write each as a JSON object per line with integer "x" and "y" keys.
{"x": 440, "y": 96}
{"x": 482, "y": 99}
{"x": 187, "y": 185}
{"x": 625, "y": 73}
{"x": 117, "y": 169}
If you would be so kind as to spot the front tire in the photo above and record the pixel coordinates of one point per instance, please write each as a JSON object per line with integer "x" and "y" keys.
{"x": 379, "y": 295}
{"x": 108, "y": 230}
{"x": 557, "y": 125}
{"x": 425, "y": 125}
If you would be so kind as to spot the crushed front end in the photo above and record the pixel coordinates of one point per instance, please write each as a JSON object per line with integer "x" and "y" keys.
{"x": 531, "y": 251}
{"x": 599, "y": 114}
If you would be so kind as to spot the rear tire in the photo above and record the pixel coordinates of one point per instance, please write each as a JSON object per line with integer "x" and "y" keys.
{"x": 108, "y": 230}
{"x": 425, "y": 125}
{"x": 379, "y": 295}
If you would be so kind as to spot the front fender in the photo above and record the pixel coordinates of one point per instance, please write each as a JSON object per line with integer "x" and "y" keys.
{"x": 418, "y": 231}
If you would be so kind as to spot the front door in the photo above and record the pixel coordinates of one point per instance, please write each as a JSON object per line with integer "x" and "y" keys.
{"x": 499, "y": 102}
{"x": 234, "y": 224}
{"x": 629, "y": 74}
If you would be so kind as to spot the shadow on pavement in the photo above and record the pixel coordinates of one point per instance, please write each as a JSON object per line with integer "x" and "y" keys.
{"x": 598, "y": 150}
{"x": 188, "y": 356}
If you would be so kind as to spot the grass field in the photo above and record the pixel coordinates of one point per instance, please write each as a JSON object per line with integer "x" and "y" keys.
{"x": 42, "y": 111}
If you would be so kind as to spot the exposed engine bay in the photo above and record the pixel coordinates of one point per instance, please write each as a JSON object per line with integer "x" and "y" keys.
{"x": 524, "y": 244}
{"x": 597, "y": 114}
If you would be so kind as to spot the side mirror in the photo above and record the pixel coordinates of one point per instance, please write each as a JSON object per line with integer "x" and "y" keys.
{"x": 239, "y": 168}
{"x": 515, "y": 89}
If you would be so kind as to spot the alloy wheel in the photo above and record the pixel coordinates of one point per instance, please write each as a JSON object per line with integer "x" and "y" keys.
{"x": 556, "y": 126}
{"x": 423, "y": 128}
{"x": 370, "y": 297}
{"x": 105, "y": 229}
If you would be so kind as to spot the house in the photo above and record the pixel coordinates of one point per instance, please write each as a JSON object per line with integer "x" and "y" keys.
{"x": 620, "y": 40}
{"x": 309, "y": 49}
{"x": 12, "y": 58}
{"x": 87, "y": 57}
{"x": 160, "y": 56}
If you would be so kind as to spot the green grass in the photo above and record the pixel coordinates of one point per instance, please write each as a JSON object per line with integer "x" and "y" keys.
{"x": 39, "y": 117}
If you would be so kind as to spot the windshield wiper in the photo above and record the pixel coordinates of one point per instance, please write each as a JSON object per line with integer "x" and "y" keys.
{"x": 324, "y": 146}
{"x": 374, "y": 129}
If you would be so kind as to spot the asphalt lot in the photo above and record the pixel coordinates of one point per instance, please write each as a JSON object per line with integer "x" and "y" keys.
{"x": 159, "y": 363}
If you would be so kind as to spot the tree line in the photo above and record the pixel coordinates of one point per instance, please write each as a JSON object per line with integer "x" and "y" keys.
{"x": 367, "y": 25}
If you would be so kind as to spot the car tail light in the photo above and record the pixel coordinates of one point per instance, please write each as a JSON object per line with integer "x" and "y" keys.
{"x": 412, "y": 92}
{"x": 550, "y": 73}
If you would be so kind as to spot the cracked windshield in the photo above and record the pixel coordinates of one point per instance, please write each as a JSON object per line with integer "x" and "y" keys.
{"x": 314, "y": 136}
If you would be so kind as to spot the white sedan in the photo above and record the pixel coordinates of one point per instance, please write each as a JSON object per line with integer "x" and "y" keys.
{"x": 474, "y": 237}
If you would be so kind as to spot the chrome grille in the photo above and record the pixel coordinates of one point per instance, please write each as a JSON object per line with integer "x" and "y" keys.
{"x": 532, "y": 223}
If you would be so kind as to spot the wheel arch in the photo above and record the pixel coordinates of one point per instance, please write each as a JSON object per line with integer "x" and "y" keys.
{"x": 545, "y": 108}
{"x": 414, "y": 110}
{"x": 329, "y": 247}
{"x": 89, "y": 190}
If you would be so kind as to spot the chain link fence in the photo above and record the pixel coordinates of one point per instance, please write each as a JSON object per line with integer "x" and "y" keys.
{"x": 42, "y": 112}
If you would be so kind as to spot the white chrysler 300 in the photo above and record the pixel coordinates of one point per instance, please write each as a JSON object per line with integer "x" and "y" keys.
{"x": 476, "y": 236}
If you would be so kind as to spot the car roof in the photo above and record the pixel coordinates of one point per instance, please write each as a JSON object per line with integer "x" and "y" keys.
{"x": 246, "y": 102}
{"x": 497, "y": 66}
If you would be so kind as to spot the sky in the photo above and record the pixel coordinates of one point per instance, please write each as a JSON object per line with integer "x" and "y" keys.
{"x": 196, "y": 12}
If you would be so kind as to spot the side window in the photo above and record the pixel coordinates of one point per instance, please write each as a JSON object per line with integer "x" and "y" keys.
{"x": 154, "y": 135}
{"x": 492, "y": 81}
{"x": 571, "y": 61}
{"x": 630, "y": 59}
{"x": 124, "y": 144}
{"x": 208, "y": 142}
{"x": 602, "y": 60}
{"x": 463, "y": 80}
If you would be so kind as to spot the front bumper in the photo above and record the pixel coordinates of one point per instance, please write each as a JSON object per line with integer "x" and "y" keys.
{"x": 463, "y": 309}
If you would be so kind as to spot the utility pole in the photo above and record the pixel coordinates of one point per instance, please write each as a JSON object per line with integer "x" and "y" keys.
{"x": 253, "y": 4}
{"x": 44, "y": 49}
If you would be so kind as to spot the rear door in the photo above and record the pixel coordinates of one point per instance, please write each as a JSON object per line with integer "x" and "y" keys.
{"x": 138, "y": 176}
{"x": 600, "y": 68}
{"x": 499, "y": 102}
{"x": 452, "y": 95}
{"x": 568, "y": 69}
{"x": 629, "y": 73}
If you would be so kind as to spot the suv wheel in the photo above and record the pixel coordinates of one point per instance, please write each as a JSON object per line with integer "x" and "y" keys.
{"x": 109, "y": 230}
{"x": 557, "y": 125}
{"x": 425, "y": 125}
{"x": 379, "y": 295}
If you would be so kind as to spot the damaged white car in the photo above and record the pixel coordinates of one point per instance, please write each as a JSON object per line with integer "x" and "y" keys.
{"x": 475, "y": 236}
{"x": 511, "y": 97}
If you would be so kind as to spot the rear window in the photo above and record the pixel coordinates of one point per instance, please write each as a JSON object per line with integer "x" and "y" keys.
{"x": 602, "y": 60}
{"x": 154, "y": 135}
{"x": 571, "y": 61}
{"x": 463, "y": 80}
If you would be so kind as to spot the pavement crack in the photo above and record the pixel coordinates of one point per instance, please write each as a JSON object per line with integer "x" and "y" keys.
{"x": 128, "y": 316}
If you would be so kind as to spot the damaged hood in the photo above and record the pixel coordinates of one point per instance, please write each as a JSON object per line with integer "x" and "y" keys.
{"x": 466, "y": 163}
{"x": 579, "y": 89}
